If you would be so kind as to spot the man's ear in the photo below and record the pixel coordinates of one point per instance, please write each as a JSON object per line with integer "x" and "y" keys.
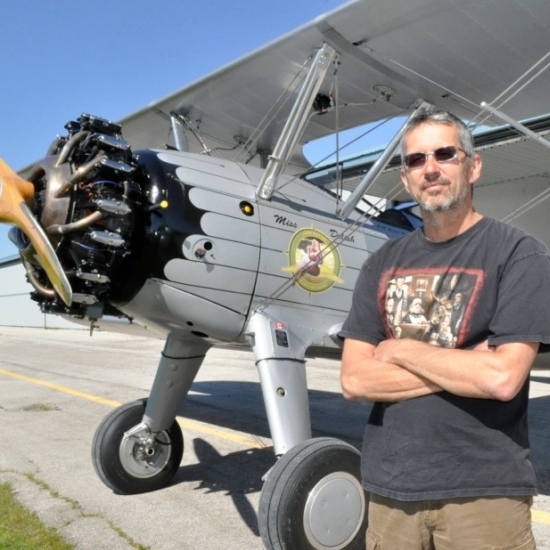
{"x": 475, "y": 168}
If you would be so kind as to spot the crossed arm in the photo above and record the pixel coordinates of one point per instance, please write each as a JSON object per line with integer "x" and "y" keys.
{"x": 399, "y": 369}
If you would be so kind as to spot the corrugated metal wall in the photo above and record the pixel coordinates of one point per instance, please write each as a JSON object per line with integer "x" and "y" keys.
{"x": 16, "y": 307}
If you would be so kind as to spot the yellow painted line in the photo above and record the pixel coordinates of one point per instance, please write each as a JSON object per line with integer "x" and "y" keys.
{"x": 63, "y": 389}
{"x": 240, "y": 438}
{"x": 538, "y": 516}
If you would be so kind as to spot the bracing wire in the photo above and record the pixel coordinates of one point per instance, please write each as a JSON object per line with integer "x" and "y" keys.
{"x": 529, "y": 205}
{"x": 517, "y": 83}
{"x": 339, "y": 179}
{"x": 345, "y": 146}
{"x": 269, "y": 117}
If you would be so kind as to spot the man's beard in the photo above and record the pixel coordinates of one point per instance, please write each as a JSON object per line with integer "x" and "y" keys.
{"x": 449, "y": 203}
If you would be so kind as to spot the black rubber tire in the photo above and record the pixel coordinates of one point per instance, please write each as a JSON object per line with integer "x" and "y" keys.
{"x": 107, "y": 445}
{"x": 303, "y": 472}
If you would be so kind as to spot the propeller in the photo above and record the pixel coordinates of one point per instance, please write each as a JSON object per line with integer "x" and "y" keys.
{"x": 15, "y": 196}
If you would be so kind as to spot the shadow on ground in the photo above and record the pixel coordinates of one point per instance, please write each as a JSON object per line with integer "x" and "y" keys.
{"x": 239, "y": 406}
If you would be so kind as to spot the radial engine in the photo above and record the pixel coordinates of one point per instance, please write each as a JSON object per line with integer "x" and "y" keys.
{"x": 92, "y": 197}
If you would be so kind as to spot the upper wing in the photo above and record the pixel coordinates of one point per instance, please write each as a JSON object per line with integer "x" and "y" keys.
{"x": 453, "y": 53}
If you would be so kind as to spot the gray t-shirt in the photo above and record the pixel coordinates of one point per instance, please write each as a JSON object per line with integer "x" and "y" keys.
{"x": 490, "y": 282}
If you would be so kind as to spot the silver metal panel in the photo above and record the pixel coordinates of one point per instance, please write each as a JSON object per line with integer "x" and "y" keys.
{"x": 220, "y": 203}
{"x": 215, "y": 182}
{"x": 229, "y": 299}
{"x": 336, "y": 300}
{"x": 214, "y": 174}
{"x": 306, "y": 325}
{"x": 221, "y": 252}
{"x": 166, "y": 309}
{"x": 218, "y": 225}
{"x": 209, "y": 275}
{"x": 206, "y": 165}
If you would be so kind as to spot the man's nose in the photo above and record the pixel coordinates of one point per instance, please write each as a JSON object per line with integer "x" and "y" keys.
{"x": 431, "y": 166}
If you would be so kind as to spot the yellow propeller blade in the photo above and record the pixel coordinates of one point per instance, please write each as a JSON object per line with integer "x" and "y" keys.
{"x": 15, "y": 196}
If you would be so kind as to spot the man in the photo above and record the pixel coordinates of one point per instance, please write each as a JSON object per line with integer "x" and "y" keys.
{"x": 446, "y": 453}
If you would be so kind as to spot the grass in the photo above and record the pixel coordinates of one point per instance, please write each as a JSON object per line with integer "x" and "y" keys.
{"x": 39, "y": 407}
{"x": 22, "y": 530}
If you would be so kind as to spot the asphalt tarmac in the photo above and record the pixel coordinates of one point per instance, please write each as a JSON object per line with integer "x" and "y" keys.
{"x": 57, "y": 385}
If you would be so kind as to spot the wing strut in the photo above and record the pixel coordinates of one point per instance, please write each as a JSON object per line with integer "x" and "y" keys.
{"x": 296, "y": 121}
{"x": 517, "y": 125}
{"x": 377, "y": 168}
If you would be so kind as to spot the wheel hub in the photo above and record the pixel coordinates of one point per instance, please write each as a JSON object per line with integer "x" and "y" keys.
{"x": 334, "y": 511}
{"x": 144, "y": 454}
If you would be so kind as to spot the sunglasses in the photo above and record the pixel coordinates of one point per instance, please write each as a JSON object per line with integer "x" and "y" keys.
{"x": 443, "y": 154}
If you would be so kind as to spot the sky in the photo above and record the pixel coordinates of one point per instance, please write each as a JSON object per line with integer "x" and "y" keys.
{"x": 59, "y": 59}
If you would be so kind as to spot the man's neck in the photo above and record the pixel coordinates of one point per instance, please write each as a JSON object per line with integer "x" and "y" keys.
{"x": 442, "y": 226}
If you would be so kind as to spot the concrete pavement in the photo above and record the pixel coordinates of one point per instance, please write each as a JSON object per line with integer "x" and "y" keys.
{"x": 57, "y": 385}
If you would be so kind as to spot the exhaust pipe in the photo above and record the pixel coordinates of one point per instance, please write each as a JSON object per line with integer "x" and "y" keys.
{"x": 16, "y": 195}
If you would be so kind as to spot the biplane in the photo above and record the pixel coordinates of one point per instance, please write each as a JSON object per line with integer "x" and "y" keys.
{"x": 199, "y": 220}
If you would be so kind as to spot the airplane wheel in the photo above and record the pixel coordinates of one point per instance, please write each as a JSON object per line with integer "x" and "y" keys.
{"x": 135, "y": 463}
{"x": 312, "y": 499}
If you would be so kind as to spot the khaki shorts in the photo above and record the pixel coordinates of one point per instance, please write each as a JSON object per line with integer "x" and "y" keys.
{"x": 492, "y": 523}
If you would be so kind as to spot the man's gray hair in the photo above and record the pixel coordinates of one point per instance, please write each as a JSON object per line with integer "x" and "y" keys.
{"x": 435, "y": 116}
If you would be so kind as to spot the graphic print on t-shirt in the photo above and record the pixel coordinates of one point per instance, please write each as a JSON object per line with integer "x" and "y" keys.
{"x": 432, "y": 305}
